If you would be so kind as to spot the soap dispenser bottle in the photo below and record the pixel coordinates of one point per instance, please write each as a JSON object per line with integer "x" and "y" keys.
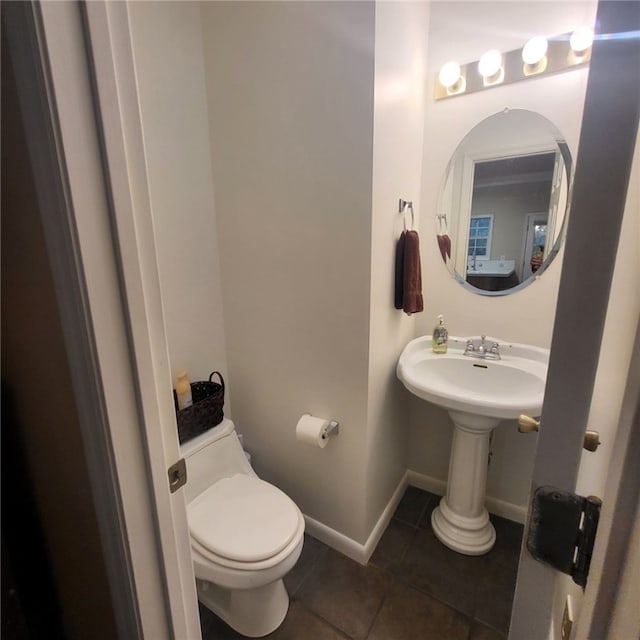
{"x": 440, "y": 337}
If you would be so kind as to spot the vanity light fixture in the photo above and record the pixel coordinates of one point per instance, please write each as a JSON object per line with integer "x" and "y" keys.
{"x": 540, "y": 56}
{"x": 451, "y": 79}
{"x": 490, "y": 67}
{"x": 534, "y": 55}
{"x": 580, "y": 42}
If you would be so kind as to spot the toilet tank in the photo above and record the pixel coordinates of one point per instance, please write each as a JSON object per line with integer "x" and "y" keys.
{"x": 211, "y": 456}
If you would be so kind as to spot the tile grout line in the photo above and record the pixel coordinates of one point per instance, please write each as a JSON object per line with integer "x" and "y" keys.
{"x": 315, "y": 614}
{"x": 312, "y": 566}
{"x": 424, "y": 510}
{"x": 388, "y": 580}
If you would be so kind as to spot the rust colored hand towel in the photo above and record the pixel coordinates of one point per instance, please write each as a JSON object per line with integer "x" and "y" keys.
{"x": 399, "y": 287}
{"x": 412, "y": 281}
{"x": 444, "y": 244}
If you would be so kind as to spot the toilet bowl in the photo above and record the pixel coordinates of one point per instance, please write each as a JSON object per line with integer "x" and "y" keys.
{"x": 245, "y": 534}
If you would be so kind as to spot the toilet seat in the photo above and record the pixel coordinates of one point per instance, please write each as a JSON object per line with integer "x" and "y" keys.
{"x": 243, "y": 522}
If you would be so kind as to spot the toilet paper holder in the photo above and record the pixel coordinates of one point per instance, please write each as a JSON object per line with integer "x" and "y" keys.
{"x": 332, "y": 429}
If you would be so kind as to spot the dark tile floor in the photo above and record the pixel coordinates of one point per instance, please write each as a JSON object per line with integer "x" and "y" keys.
{"x": 413, "y": 588}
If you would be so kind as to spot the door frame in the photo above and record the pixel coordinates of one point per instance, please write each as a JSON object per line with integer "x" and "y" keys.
{"x": 529, "y": 221}
{"x": 601, "y": 179}
{"x": 91, "y": 185}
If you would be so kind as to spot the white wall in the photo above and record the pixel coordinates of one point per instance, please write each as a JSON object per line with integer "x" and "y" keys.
{"x": 400, "y": 60}
{"x": 292, "y": 153}
{"x": 290, "y": 91}
{"x": 291, "y": 120}
{"x": 167, "y": 47}
{"x": 464, "y": 31}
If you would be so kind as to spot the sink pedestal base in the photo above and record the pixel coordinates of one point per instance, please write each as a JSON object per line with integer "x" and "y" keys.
{"x": 461, "y": 521}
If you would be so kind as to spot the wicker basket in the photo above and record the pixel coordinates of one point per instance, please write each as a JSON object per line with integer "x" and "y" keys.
{"x": 206, "y": 410}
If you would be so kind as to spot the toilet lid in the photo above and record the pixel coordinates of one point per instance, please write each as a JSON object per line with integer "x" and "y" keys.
{"x": 243, "y": 518}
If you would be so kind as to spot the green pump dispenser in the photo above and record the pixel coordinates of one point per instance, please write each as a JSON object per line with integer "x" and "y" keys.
{"x": 440, "y": 337}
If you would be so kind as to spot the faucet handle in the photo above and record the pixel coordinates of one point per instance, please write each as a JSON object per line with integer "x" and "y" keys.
{"x": 495, "y": 351}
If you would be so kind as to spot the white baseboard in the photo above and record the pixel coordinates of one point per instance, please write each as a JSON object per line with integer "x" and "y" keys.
{"x": 335, "y": 539}
{"x": 426, "y": 483}
{"x": 498, "y": 507}
{"x": 384, "y": 519}
{"x": 506, "y": 510}
{"x": 349, "y": 547}
{"x": 362, "y": 552}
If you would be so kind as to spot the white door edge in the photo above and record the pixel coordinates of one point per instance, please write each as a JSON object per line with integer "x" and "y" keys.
{"x": 109, "y": 38}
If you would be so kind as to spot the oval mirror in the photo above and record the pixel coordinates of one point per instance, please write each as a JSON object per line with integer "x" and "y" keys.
{"x": 503, "y": 202}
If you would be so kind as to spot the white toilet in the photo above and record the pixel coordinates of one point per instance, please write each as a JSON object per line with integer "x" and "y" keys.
{"x": 245, "y": 534}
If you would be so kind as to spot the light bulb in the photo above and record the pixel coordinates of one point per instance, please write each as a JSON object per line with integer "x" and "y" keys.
{"x": 581, "y": 39}
{"x": 490, "y": 63}
{"x": 449, "y": 74}
{"x": 535, "y": 50}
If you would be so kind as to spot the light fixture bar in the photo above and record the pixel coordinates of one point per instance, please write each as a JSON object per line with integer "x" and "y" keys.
{"x": 559, "y": 57}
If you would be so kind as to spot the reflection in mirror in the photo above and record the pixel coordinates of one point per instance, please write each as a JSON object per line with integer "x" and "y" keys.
{"x": 502, "y": 206}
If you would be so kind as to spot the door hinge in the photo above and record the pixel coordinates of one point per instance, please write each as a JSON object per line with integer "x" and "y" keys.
{"x": 562, "y": 531}
{"x": 177, "y": 475}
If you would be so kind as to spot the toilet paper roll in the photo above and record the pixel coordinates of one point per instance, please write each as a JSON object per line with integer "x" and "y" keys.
{"x": 309, "y": 429}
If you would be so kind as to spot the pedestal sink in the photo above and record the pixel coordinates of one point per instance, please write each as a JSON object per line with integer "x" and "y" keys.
{"x": 478, "y": 393}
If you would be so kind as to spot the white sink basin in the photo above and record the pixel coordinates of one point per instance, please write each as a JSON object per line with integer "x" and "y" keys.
{"x": 478, "y": 393}
{"x": 493, "y": 388}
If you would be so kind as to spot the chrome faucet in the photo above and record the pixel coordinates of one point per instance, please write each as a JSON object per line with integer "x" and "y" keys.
{"x": 481, "y": 349}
